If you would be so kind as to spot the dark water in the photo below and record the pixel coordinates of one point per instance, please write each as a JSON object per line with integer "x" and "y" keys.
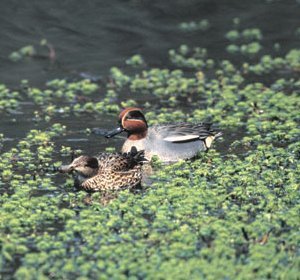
{"x": 92, "y": 36}
{"x": 89, "y": 37}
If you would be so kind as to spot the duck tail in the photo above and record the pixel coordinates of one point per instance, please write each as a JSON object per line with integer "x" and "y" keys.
{"x": 136, "y": 156}
{"x": 139, "y": 157}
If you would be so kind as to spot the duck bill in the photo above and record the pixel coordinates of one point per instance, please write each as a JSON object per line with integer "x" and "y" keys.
{"x": 65, "y": 168}
{"x": 114, "y": 132}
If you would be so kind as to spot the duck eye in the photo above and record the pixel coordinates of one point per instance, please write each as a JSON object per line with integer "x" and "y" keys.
{"x": 92, "y": 163}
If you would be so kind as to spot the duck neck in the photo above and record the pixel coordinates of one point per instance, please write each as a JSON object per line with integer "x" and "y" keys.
{"x": 137, "y": 135}
{"x": 88, "y": 172}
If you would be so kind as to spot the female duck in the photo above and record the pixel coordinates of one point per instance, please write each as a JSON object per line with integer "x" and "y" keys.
{"x": 107, "y": 171}
{"x": 170, "y": 142}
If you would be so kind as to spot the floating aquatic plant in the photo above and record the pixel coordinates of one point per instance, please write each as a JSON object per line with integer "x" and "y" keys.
{"x": 202, "y": 25}
{"x": 246, "y": 42}
{"x": 22, "y": 52}
{"x": 230, "y": 213}
{"x": 135, "y": 60}
{"x": 191, "y": 58}
{"x": 9, "y": 100}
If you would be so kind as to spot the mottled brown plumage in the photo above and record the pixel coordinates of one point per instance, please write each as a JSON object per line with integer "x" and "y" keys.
{"x": 107, "y": 171}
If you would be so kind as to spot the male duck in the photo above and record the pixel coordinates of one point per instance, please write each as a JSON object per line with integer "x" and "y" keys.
{"x": 170, "y": 142}
{"x": 106, "y": 171}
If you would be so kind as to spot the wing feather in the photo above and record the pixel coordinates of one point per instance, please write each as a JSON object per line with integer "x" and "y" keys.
{"x": 181, "y": 138}
{"x": 184, "y": 132}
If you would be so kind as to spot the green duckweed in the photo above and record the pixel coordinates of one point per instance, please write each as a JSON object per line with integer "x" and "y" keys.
{"x": 201, "y": 25}
{"x": 231, "y": 213}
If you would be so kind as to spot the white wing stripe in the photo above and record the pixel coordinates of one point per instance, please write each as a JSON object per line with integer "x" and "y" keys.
{"x": 179, "y": 138}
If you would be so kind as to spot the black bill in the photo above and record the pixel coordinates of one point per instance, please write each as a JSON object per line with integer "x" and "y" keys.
{"x": 65, "y": 168}
{"x": 114, "y": 132}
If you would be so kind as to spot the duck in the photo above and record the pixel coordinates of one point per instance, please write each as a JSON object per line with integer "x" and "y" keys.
{"x": 107, "y": 171}
{"x": 170, "y": 142}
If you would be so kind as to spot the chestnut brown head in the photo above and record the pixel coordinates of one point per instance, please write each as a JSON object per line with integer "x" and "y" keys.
{"x": 133, "y": 121}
